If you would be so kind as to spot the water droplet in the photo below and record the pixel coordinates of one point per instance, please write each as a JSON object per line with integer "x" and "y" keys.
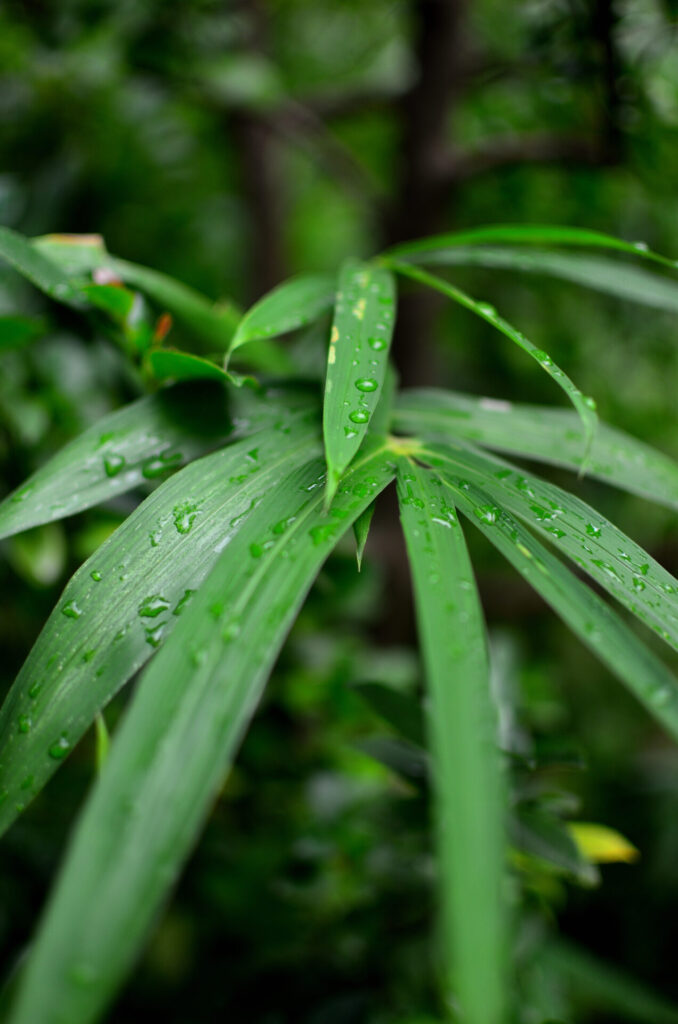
{"x": 152, "y": 606}
{"x": 183, "y": 601}
{"x": 157, "y": 465}
{"x": 96, "y": 575}
{"x": 378, "y": 344}
{"x": 184, "y": 516}
{"x": 34, "y": 690}
{"x": 593, "y": 531}
{"x": 487, "y": 513}
{"x": 366, "y": 384}
{"x": 641, "y": 246}
{"x": 485, "y": 309}
{"x": 71, "y": 610}
{"x": 154, "y": 635}
{"x": 59, "y": 749}
{"x": 638, "y": 584}
{"x": 542, "y": 357}
{"x": 359, "y": 416}
{"x": 590, "y": 403}
{"x": 230, "y": 631}
{"x": 24, "y": 723}
{"x": 113, "y": 464}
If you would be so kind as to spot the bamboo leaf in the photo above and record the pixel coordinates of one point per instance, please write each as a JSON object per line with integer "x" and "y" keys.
{"x": 138, "y": 444}
{"x": 214, "y": 323}
{"x": 463, "y": 744}
{"x": 589, "y": 617}
{"x": 37, "y": 268}
{"x": 610, "y": 276}
{"x": 128, "y": 597}
{"x": 537, "y": 432}
{"x": 171, "y": 364}
{"x": 357, "y": 358}
{"x": 361, "y": 529}
{"x": 585, "y": 406}
{"x": 293, "y": 304}
{"x": 174, "y": 747}
{"x": 401, "y": 710}
{"x": 529, "y": 234}
{"x": 596, "y": 545}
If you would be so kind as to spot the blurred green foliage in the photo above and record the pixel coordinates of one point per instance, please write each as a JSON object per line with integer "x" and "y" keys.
{"x": 309, "y": 898}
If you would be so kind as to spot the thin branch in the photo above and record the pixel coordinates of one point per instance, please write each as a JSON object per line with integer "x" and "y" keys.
{"x": 515, "y": 150}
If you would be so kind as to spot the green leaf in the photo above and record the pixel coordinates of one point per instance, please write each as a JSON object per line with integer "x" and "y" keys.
{"x": 601, "y": 986}
{"x": 584, "y": 405}
{"x": 589, "y": 617}
{"x": 401, "y": 710}
{"x": 357, "y": 358}
{"x": 17, "y": 331}
{"x": 361, "y": 529}
{"x": 596, "y": 545}
{"x": 293, "y": 304}
{"x": 537, "y": 432}
{"x": 138, "y": 444}
{"x": 174, "y": 747}
{"x": 103, "y": 741}
{"x": 171, "y": 364}
{"x": 128, "y": 597}
{"x": 528, "y": 234}
{"x": 213, "y": 323}
{"x": 463, "y": 743}
{"x": 545, "y": 837}
{"x": 610, "y": 276}
{"x": 37, "y": 268}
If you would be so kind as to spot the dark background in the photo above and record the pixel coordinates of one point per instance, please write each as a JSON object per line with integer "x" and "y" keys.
{"x": 232, "y": 145}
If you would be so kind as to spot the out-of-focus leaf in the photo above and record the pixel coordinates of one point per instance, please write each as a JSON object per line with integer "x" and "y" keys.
{"x": 293, "y": 304}
{"x": 401, "y": 710}
{"x": 213, "y": 323}
{"x": 463, "y": 745}
{"x": 173, "y": 749}
{"x": 538, "y": 432}
{"x": 170, "y": 364}
{"x": 585, "y": 406}
{"x": 361, "y": 529}
{"x": 17, "y": 331}
{"x": 37, "y": 268}
{"x": 529, "y": 234}
{"x": 610, "y": 276}
{"x": 128, "y": 597}
{"x": 360, "y": 339}
{"x": 600, "y": 844}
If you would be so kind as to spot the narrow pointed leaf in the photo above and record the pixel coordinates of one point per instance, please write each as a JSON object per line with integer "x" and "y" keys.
{"x": 587, "y": 615}
{"x": 171, "y": 364}
{"x": 596, "y": 545}
{"x": 463, "y": 744}
{"x": 360, "y": 339}
{"x": 175, "y": 745}
{"x": 361, "y": 529}
{"x": 610, "y": 276}
{"x": 127, "y": 598}
{"x": 538, "y": 432}
{"x": 529, "y": 234}
{"x": 37, "y": 268}
{"x": 137, "y": 444}
{"x": 403, "y": 711}
{"x": 293, "y": 304}
{"x": 213, "y": 322}
{"x": 584, "y": 405}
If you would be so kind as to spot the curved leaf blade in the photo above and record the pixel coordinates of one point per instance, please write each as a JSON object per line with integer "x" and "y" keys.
{"x": 463, "y": 740}
{"x": 177, "y": 741}
{"x": 362, "y": 328}
{"x": 609, "y": 276}
{"x": 538, "y": 432}
{"x": 530, "y": 234}
{"x": 295, "y": 303}
{"x": 135, "y": 445}
{"x": 591, "y": 541}
{"x": 128, "y": 597}
{"x": 213, "y": 322}
{"x": 37, "y": 268}
{"x": 585, "y": 406}
{"x": 587, "y": 615}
